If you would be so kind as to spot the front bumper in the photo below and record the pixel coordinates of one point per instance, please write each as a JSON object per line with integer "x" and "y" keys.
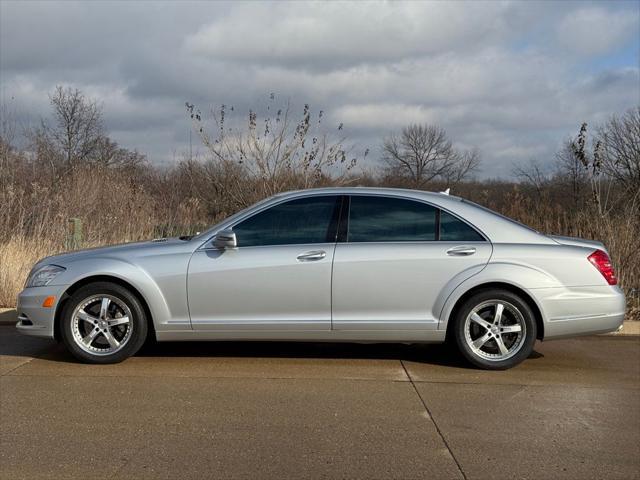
{"x": 33, "y": 318}
{"x": 573, "y": 311}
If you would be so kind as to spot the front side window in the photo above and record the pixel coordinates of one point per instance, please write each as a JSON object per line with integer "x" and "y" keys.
{"x": 300, "y": 221}
{"x": 387, "y": 219}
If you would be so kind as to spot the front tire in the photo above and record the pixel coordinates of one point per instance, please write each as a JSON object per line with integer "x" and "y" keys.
{"x": 102, "y": 323}
{"x": 495, "y": 329}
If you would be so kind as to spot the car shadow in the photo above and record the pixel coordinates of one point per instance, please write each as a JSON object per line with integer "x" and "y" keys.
{"x": 14, "y": 344}
{"x": 8, "y": 317}
{"x": 435, "y": 354}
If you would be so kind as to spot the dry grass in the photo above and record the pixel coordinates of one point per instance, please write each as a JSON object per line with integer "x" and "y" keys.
{"x": 113, "y": 206}
{"x": 17, "y": 256}
{"x": 117, "y": 205}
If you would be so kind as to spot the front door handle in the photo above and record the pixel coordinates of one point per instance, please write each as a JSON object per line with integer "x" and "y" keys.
{"x": 312, "y": 256}
{"x": 461, "y": 251}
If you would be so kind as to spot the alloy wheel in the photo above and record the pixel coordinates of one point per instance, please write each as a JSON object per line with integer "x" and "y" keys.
{"x": 101, "y": 324}
{"x": 495, "y": 330}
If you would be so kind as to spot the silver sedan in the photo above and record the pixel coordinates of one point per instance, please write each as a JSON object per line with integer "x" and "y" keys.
{"x": 336, "y": 264}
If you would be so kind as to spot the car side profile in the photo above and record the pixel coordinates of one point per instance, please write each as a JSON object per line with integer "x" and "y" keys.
{"x": 333, "y": 264}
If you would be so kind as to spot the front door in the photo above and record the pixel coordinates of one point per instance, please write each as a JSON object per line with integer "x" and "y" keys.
{"x": 279, "y": 276}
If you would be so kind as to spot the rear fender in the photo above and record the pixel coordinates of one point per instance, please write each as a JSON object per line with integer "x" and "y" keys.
{"x": 521, "y": 276}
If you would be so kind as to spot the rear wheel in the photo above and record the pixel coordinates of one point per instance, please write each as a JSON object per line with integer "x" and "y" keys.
{"x": 103, "y": 322}
{"x": 495, "y": 329}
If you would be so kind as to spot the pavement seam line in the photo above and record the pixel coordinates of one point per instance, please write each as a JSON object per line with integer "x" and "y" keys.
{"x": 435, "y": 424}
{"x": 199, "y": 377}
{"x": 5, "y": 374}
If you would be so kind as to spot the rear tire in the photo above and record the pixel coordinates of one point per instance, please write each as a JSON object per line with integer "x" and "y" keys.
{"x": 495, "y": 329}
{"x": 102, "y": 323}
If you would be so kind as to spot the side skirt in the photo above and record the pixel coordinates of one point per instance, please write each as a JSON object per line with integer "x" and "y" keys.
{"x": 411, "y": 336}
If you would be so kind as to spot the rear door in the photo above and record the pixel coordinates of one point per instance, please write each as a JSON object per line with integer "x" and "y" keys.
{"x": 400, "y": 257}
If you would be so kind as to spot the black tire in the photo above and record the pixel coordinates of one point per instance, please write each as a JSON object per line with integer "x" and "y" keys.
{"x": 521, "y": 348}
{"x": 138, "y": 322}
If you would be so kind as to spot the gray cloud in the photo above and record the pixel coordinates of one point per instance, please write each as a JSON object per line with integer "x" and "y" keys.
{"x": 330, "y": 35}
{"x": 512, "y": 78}
{"x": 582, "y": 31}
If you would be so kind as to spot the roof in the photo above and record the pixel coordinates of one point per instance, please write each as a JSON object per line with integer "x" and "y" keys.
{"x": 373, "y": 190}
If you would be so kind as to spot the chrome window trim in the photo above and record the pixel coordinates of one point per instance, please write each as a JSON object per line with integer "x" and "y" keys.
{"x": 418, "y": 200}
{"x": 277, "y": 200}
{"x": 264, "y": 207}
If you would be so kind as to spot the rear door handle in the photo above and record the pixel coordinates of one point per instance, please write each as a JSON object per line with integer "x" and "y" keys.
{"x": 461, "y": 251}
{"x": 312, "y": 256}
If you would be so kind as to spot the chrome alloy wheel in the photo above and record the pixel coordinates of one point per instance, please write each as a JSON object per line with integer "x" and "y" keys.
{"x": 101, "y": 324}
{"x": 495, "y": 330}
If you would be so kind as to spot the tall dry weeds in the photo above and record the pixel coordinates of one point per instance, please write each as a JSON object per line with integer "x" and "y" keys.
{"x": 119, "y": 205}
{"x": 17, "y": 256}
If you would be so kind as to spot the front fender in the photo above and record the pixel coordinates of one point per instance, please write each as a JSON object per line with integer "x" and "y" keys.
{"x": 137, "y": 277}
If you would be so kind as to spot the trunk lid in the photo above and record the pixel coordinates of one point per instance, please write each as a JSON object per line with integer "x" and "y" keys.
{"x": 578, "y": 242}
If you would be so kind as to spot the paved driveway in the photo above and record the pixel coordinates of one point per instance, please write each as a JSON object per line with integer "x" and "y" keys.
{"x": 276, "y": 410}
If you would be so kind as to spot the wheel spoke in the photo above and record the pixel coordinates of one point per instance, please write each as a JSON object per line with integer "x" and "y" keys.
{"x": 118, "y": 321}
{"x": 498, "y": 318}
{"x": 480, "y": 321}
{"x": 82, "y": 315}
{"x": 503, "y": 348}
{"x": 88, "y": 340}
{"x": 113, "y": 343}
{"x": 479, "y": 342}
{"x": 102, "y": 324}
{"x": 511, "y": 328}
{"x": 104, "y": 308}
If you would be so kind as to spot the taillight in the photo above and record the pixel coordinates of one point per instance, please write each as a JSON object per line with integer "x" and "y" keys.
{"x": 601, "y": 261}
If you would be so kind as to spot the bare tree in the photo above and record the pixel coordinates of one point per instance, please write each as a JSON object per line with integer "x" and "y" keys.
{"x": 585, "y": 167}
{"x": 75, "y": 136}
{"x": 466, "y": 163}
{"x": 109, "y": 154}
{"x": 572, "y": 163}
{"x": 534, "y": 174}
{"x": 620, "y": 138}
{"x": 7, "y": 133}
{"x": 423, "y": 153}
{"x": 274, "y": 153}
{"x": 75, "y": 132}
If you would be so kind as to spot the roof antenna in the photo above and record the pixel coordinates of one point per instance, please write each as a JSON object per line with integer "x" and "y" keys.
{"x": 446, "y": 192}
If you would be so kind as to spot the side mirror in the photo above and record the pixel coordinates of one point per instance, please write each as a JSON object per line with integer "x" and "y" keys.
{"x": 225, "y": 239}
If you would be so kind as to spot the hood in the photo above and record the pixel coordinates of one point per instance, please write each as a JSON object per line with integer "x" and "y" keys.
{"x": 578, "y": 242}
{"x": 122, "y": 250}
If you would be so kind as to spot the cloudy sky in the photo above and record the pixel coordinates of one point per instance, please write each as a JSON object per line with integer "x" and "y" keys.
{"x": 512, "y": 78}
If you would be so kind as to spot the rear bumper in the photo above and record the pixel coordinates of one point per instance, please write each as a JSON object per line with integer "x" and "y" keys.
{"x": 573, "y": 311}
{"x": 33, "y": 318}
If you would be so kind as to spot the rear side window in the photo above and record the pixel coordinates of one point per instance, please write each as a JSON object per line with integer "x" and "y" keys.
{"x": 305, "y": 220}
{"x": 455, "y": 230}
{"x": 386, "y": 219}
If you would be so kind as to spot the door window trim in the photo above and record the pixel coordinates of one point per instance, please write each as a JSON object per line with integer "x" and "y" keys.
{"x": 339, "y": 208}
{"x": 343, "y": 226}
{"x": 346, "y": 207}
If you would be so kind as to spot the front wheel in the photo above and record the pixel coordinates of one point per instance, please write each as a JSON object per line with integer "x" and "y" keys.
{"x": 495, "y": 329}
{"x": 103, "y": 322}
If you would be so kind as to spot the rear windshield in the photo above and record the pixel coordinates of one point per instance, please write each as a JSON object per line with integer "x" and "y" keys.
{"x": 500, "y": 215}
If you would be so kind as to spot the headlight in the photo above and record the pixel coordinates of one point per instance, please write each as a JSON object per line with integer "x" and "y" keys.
{"x": 43, "y": 275}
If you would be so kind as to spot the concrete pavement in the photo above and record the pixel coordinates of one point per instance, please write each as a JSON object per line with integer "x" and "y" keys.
{"x": 279, "y": 410}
